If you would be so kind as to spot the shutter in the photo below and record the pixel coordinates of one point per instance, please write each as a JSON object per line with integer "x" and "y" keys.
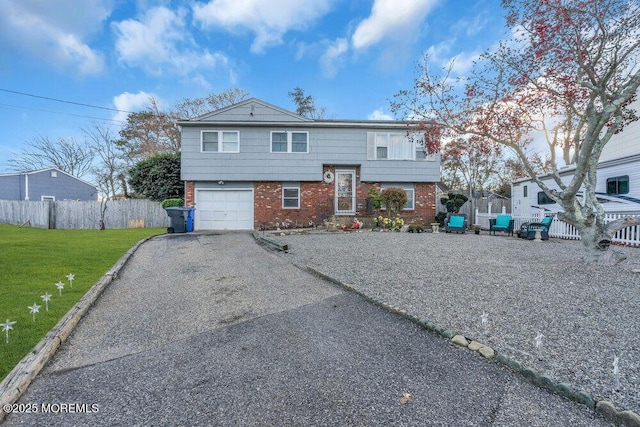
{"x": 371, "y": 145}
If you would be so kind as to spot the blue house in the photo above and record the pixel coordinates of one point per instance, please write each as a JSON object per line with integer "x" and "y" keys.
{"x": 46, "y": 184}
{"x": 253, "y": 165}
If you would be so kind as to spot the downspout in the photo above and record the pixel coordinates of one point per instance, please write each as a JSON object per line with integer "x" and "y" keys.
{"x": 26, "y": 187}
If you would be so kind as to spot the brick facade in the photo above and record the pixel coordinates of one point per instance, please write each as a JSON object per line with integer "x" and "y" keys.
{"x": 317, "y": 203}
{"x": 189, "y": 194}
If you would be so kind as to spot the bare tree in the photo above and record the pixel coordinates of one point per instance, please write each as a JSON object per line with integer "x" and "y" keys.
{"x": 189, "y": 108}
{"x": 306, "y": 105}
{"x": 110, "y": 166}
{"x": 570, "y": 71}
{"x": 150, "y": 132}
{"x": 68, "y": 155}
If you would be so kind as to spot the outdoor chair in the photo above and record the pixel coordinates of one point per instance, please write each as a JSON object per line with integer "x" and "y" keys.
{"x": 528, "y": 229}
{"x": 457, "y": 223}
{"x": 501, "y": 223}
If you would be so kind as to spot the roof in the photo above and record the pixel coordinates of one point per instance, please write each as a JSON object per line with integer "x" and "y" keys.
{"x": 296, "y": 119}
{"x": 33, "y": 172}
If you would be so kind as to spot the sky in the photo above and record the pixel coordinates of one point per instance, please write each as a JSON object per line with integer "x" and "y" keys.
{"x": 67, "y": 65}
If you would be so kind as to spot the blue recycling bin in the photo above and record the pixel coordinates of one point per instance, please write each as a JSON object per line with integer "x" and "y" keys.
{"x": 190, "y": 218}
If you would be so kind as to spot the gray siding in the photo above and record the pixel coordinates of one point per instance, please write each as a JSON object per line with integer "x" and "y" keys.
{"x": 327, "y": 146}
{"x": 35, "y": 185}
{"x": 10, "y": 188}
{"x": 253, "y": 111}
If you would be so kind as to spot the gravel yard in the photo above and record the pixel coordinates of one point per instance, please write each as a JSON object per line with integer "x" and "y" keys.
{"x": 586, "y": 314}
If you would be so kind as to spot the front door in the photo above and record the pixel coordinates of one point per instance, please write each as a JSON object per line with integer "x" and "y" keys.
{"x": 345, "y": 192}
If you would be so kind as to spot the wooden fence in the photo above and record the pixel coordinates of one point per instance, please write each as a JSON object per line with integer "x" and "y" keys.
{"x": 84, "y": 215}
{"x": 629, "y": 236}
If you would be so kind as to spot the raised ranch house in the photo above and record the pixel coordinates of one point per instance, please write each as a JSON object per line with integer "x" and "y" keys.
{"x": 46, "y": 184}
{"x": 253, "y": 165}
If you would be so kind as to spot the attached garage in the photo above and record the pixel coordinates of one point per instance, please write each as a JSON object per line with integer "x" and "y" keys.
{"x": 224, "y": 209}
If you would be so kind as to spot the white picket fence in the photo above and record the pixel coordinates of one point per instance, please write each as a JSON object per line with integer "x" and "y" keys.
{"x": 629, "y": 236}
{"x": 131, "y": 213}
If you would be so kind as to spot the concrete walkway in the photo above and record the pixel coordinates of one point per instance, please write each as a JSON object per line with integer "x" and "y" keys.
{"x": 213, "y": 329}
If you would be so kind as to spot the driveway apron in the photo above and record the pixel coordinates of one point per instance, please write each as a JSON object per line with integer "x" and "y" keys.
{"x": 214, "y": 329}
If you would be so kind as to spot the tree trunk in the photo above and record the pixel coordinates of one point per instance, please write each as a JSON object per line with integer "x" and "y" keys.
{"x": 597, "y": 245}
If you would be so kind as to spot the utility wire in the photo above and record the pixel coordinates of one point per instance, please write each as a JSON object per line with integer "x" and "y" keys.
{"x": 65, "y": 101}
{"x": 59, "y": 112}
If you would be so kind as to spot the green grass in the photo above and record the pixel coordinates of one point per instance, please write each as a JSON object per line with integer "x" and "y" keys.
{"x": 33, "y": 260}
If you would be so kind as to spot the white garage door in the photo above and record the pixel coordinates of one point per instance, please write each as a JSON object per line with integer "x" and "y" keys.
{"x": 224, "y": 210}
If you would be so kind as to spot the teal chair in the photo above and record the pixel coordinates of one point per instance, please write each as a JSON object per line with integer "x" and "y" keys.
{"x": 528, "y": 229}
{"x": 501, "y": 223}
{"x": 457, "y": 223}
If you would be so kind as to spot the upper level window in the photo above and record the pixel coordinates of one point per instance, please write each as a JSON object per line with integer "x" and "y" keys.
{"x": 618, "y": 185}
{"x": 289, "y": 142}
{"x": 390, "y": 146}
{"x": 543, "y": 199}
{"x": 525, "y": 191}
{"x": 219, "y": 141}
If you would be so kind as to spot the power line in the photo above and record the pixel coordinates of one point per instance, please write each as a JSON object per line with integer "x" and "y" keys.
{"x": 59, "y": 112}
{"x": 65, "y": 101}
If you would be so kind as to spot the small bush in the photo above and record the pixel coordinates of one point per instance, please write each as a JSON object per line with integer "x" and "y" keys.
{"x": 172, "y": 203}
{"x": 394, "y": 199}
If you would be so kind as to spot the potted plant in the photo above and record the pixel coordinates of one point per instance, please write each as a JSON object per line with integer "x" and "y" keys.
{"x": 476, "y": 228}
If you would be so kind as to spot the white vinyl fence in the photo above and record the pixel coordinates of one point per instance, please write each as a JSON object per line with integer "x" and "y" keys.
{"x": 84, "y": 215}
{"x": 629, "y": 236}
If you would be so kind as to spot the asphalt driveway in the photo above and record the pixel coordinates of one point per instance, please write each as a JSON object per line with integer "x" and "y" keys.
{"x": 214, "y": 329}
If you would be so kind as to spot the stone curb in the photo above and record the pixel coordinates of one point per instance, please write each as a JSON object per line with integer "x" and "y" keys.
{"x": 603, "y": 407}
{"x": 17, "y": 381}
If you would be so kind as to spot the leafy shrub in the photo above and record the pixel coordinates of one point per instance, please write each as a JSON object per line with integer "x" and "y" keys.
{"x": 394, "y": 199}
{"x": 172, "y": 203}
{"x": 441, "y": 217}
{"x": 454, "y": 201}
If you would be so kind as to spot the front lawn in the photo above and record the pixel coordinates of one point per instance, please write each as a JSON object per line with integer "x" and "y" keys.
{"x": 33, "y": 261}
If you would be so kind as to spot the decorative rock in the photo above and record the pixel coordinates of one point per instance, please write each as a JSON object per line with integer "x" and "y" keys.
{"x": 509, "y": 362}
{"x": 546, "y": 382}
{"x": 606, "y": 409}
{"x": 565, "y": 389}
{"x": 629, "y": 419}
{"x": 585, "y": 398}
{"x": 460, "y": 340}
{"x": 487, "y": 352}
{"x": 449, "y": 334}
{"x": 475, "y": 345}
{"x": 530, "y": 373}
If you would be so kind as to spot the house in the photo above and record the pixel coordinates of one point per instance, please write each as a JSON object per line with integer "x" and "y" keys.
{"x": 253, "y": 165}
{"x": 617, "y": 188}
{"x": 46, "y": 184}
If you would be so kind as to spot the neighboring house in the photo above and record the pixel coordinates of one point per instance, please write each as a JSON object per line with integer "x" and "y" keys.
{"x": 46, "y": 184}
{"x": 617, "y": 188}
{"x": 253, "y": 165}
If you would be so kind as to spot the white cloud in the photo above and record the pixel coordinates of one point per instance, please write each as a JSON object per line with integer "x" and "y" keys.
{"x": 131, "y": 102}
{"x": 379, "y": 114}
{"x": 332, "y": 57}
{"x": 158, "y": 42}
{"x": 56, "y": 34}
{"x": 268, "y": 20}
{"x": 391, "y": 19}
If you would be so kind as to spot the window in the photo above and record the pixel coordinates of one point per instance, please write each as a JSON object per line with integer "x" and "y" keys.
{"x": 54, "y": 174}
{"x": 289, "y": 142}
{"x": 525, "y": 192}
{"x": 391, "y": 146}
{"x": 543, "y": 199}
{"x": 618, "y": 185}
{"x": 291, "y": 197}
{"x": 220, "y": 141}
{"x": 409, "y": 189}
